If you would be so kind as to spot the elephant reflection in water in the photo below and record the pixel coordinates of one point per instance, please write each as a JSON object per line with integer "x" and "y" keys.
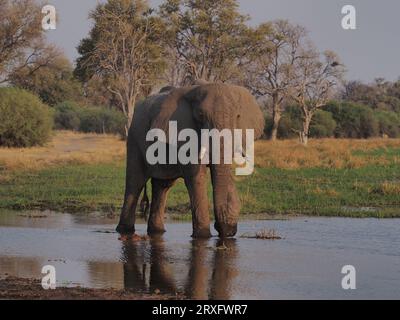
{"x": 146, "y": 267}
{"x": 210, "y": 272}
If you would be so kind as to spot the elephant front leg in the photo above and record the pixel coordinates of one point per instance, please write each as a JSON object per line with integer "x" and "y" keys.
{"x": 126, "y": 223}
{"x": 160, "y": 190}
{"x": 135, "y": 181}
{"x": 196, "y": 183}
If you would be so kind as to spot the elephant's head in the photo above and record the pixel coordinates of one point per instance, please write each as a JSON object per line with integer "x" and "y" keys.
{"x": 223, "y": 106}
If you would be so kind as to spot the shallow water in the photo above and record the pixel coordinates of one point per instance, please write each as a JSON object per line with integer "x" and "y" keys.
{"x": 305, "y": 264}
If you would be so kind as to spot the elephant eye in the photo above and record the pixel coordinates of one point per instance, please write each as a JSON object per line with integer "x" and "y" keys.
{"x": 200, "y": 116}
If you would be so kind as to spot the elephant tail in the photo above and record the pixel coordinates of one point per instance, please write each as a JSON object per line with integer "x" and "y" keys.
{"x": 145, "y": 204}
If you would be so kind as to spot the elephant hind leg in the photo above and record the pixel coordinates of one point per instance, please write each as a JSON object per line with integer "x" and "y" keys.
{"x": 145, "y": 204}
{"x": 160, "y": 189}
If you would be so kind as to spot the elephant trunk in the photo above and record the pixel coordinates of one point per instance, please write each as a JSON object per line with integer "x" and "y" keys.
{"x": 226, "y": 200}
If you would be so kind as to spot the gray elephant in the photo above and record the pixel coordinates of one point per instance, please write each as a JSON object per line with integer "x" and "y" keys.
{"x": 219, "y": 106}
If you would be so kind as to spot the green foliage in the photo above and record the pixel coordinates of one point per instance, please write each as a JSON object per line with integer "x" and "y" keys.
{"x": 389, "y": 123}
{"x": 71, "y": 116}
{"x": 25, "y": 120}
{"x": 101, "y": 120}
{"x": 53, "y": 83}
{"x": 67, "y": 116}
{"x": 323, "y": 125}
{"x": 290, "y": 123}
{"x": 353, "y": 120}
{"x": 341, "y": 120}
{"x": 209, "y": 38}
{"x": 123, "y": 48}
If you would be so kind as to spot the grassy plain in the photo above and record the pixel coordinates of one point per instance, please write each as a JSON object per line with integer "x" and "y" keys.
{"x": 82, "y": 173}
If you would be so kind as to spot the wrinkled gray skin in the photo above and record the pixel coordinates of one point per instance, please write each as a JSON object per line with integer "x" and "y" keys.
{"x": 203, "y": 106}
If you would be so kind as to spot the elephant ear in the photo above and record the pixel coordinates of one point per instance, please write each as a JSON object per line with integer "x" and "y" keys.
{"x": 250, "y": 114}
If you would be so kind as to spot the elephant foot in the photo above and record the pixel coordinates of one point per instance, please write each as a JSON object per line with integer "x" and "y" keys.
{"x": 125, "y": 230}
{"x": 155, "y": 226}
{"x": 201, "y": 233}
{"x": 226, "y": 231}
{"x": 154, "y": 231}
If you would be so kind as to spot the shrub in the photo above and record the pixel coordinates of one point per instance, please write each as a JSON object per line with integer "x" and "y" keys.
{"x": 353, "y": 120}
{"x": 323, "y": 125}
{"x": 101, "y": 120}
{"x": 72, "y": 116}
{"x": 389, "y": 124}
{"x": 25, "y": 120}
{"x": 67, "y": 117}
{"x": 268, "y": 125}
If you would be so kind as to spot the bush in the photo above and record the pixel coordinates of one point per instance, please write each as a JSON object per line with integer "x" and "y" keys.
{"x": 291, "y": 122}
{"x": 323, "y": 125}
{"x": 25, "y": 120}
{"x": 67, "y": 117}
{"x": 100, "y": 120}
{"x": 389, "y": 124}
{"x": 353, "y": 120}
{"x": 71, "y": 116}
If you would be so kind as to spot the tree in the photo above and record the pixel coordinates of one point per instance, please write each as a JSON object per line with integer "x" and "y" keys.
{"x": 381, "y": 94}
{"x": 53, "y": 83}
{"x": 22, "y": 38}
{"x": 271, "y": 73}
{"x": 206, "y": 40}
{"x": 316, "y": 80}
{"x": 122, "y": 51}
{"x": 97, "y": 94}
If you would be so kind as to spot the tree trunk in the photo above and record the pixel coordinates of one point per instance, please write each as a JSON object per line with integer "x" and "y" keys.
{"x": 128, "y": 125}
{"x": 130, "y": 111}
{"x": 276, "y": 117}
{"x": 306, "y": 129}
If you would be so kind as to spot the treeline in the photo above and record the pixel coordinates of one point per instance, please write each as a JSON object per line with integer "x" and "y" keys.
{"x": 133, "y": 50}
{"x": 360, "y": 111}
{"x": 339, "y": 119}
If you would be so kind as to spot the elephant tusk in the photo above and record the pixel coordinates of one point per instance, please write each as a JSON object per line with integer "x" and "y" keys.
{"x": 203, "y": 152}
{"x": 241, "y": 157}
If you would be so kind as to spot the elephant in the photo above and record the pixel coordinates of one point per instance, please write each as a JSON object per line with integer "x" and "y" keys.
{"x": 203, "y": 105}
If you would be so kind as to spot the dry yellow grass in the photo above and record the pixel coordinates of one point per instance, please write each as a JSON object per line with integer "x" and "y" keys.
{"x": 323, "y": 153}
{"x": 65, "y": 148}
{"x": 78, "y": 148}
{"x": 387, "y": 188}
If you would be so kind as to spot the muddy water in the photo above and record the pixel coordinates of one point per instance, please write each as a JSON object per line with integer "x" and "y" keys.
{"x": 305, "y": 264}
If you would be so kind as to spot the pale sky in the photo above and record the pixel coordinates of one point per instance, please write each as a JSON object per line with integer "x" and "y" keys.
{"x": 371, "y": 51}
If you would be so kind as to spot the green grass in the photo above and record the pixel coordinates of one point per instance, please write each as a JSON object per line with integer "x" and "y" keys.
{"x": 380, "y": 152}
{"x": 363, "y": 192}
{"x": 325, "y": 192}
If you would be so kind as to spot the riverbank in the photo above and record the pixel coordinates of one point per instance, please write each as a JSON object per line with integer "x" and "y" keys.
{"x": 84, "y": 173}
{"x": 31, "y": 289}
